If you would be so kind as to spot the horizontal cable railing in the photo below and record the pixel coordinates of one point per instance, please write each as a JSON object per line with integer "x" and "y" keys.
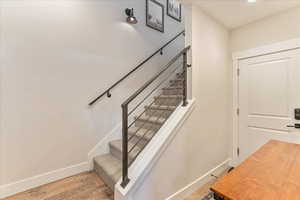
{"x": 126, "y": 112}
{"x": 160, "y": 50}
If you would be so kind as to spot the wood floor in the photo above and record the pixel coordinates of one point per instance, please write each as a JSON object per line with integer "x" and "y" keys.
{"x": 202, "y": 192}
{"x": 205, "y": 189}
{"x": 85, "y": 186}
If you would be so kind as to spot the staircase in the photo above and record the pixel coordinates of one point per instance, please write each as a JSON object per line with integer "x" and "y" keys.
{"x": 140, "y": 133}
{"x": 143, "y": 114}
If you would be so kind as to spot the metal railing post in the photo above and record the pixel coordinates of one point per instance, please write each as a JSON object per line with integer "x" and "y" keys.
{"x": 185, "y": 79}
{"x": 125, "y": 179}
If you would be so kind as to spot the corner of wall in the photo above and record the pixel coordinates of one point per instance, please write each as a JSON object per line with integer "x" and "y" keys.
{"x": 102, "y": 146}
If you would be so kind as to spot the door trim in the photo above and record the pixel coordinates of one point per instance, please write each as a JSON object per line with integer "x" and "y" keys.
{"x": 241, "y": 55}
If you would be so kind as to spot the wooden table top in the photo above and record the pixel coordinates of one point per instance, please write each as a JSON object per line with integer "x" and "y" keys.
{"x": 272, "y": 173}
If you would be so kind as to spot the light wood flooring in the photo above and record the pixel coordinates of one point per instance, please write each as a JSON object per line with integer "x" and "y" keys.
{"x": 205, "y": 189}
{"x": 85, "y": 186}
{"x": 202, "y": 192}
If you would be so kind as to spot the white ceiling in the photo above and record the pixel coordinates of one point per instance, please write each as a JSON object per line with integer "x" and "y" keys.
{"x": 235, "y": 13}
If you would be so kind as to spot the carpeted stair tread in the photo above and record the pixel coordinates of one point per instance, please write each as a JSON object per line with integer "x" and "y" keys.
{"x": 161, "y": 107}
{"x": 173, "y": 88}
{"x": 177, "y": 80}
{"x": 116, "y": 149}
{"x": 172, "y": 91}
{"x": 152, "y": 120}
{"x": 169, "y": 97}
{"x": 159, "y": 110}
{"x": 178, "y": 83}
{"x": 168, "y": 100}
{"x": 145, "y": 134}
{"x": 108, "y": 168}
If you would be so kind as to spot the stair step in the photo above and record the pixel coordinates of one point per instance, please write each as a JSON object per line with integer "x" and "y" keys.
{"x": 180, "y": 80}
{"x": 177, "y": 87}
{"x": 157, "y": 110}
{"x": 108, "y": 168}
{"x": 151, "y": 122}
{"x": 161, "y": 107}
{"x": 115, "y": 147}
{"x": 176, "y": 84}
{"x": 137, "y": 133}
{"x": 172, "y": 91}
{"x": 169, "y": 100}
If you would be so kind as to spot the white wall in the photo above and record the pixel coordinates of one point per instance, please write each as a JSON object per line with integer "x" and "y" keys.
{"x": 57, "y": 56}
{"x": 1, "y": 138}
{"x": 273, "y": 29}
{"x": 203, "y": 141}
{"x": 208, "y": 126}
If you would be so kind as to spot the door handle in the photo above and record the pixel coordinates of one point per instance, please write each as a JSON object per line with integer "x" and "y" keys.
{"x": 294, "y": 126}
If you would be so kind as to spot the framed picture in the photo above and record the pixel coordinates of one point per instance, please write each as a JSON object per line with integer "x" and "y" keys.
{"x": 174, "y": 9}
{"x": 155, "y": 15}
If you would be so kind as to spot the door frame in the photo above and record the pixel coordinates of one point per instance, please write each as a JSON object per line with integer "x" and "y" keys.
{"x": 241, "y": 55}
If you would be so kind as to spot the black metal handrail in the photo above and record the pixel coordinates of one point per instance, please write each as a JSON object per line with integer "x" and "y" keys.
{"x": 160, "y": 50}
{"x": 125, "y": 112}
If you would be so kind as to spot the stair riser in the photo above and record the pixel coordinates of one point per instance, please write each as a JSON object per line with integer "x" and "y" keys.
{"x": 105, "y": 177}
{"x": 173, "y": 92}
{"x": 167, "y": 101}
{"x": 158, "y": 113}
{"x": 179, "y": 80}
{"x": 147, "y": 125}
{"x": 176, "y": 84}
{"x": 118, "y": 154}
{"x": 143, "y": 140}
{"x": 115, "y": 152}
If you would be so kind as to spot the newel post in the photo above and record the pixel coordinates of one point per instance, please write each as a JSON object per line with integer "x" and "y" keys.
{"x": 125, "y": 179}
{"x": 185, "y": 66}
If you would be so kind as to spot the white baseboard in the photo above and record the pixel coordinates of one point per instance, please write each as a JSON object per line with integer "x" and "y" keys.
{"x": 32, "y": 182}
{"x": 199, "y": 182}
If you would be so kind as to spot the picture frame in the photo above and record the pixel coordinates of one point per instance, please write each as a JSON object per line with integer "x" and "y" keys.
{"x": 174, "y": 9}
{"x": 155, "y": 15}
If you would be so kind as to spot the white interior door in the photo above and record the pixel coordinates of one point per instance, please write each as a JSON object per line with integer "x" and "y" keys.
{"x": 269, "y": 91}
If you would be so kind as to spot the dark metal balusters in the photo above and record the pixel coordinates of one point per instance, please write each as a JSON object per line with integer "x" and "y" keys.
{"x": 125, "y": 179}
{"x": 185, "y": 79}
{"x": 125, "y": 113}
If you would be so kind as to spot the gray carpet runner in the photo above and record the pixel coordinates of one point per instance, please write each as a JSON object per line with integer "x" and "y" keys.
{"x": 109, "y": 166}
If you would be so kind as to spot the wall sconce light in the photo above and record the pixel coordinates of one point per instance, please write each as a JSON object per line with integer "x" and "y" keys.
{"x": 131, "y": 19}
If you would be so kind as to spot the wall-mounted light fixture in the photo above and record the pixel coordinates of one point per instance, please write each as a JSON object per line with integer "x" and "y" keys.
{"x": 131, "y": 19}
